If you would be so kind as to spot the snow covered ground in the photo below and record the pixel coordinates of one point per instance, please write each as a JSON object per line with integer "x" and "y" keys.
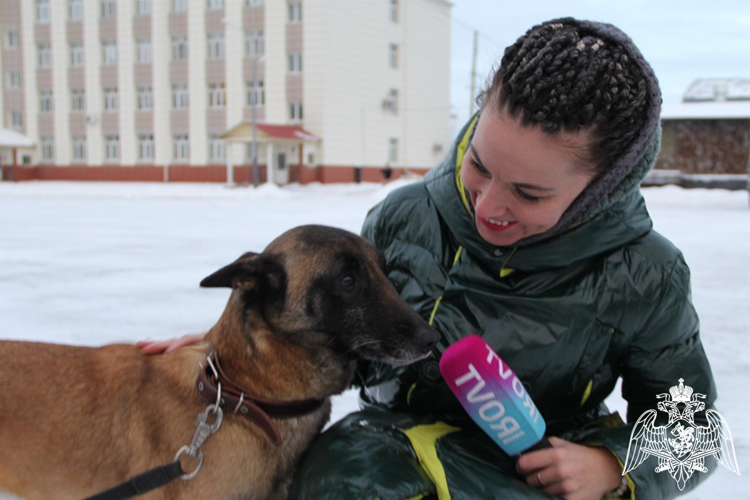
{"x": 95, "y": 263}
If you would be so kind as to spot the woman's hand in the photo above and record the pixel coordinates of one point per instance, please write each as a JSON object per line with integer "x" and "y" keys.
{"x": 169, "y": 345}
{"x": 572, "y": 471}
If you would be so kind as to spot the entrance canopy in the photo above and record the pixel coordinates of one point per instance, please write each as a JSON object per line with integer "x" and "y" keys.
{"x": 268, "y": 133}
{"x": 12, "y": 139}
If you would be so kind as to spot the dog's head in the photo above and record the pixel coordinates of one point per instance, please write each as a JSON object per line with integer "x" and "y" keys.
{"x": 326, "y": 286}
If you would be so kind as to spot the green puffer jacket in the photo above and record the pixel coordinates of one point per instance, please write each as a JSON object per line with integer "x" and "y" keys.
{"x": 608, "y": 298}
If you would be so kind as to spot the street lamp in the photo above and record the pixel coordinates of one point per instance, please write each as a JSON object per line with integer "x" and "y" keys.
{"x": 254, "y": 118}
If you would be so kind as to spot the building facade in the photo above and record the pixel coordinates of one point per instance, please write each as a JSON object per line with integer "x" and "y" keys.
{"x": 143, "y": 89}
{"x": 709, "y": 131}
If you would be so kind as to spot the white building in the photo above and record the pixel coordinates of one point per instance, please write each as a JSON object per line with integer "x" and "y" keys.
{"x": 152, "y": 84}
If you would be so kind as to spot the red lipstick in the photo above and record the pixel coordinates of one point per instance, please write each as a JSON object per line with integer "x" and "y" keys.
{"x": 497, "y": 227}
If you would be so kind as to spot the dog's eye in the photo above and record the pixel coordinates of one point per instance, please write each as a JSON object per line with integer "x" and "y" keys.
{"x": 347, "y": 281}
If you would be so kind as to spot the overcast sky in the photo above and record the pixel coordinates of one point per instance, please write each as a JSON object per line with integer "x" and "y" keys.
{"x": 682, "y": 39}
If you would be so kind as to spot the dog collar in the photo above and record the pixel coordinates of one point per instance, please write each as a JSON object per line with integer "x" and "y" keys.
{"x": 235, "y": 399}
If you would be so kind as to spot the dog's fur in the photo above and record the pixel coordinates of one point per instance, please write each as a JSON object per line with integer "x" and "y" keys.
{"x": 75, "y": 421}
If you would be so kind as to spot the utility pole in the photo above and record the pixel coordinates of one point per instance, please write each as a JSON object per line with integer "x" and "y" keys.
{"x": 472, "y": 97}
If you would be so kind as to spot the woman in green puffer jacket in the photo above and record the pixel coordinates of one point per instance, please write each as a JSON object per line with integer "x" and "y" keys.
{"x": 534, "y": 235}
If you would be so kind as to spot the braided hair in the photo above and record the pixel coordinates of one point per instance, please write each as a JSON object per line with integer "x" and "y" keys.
{"x": 564, "y": 76}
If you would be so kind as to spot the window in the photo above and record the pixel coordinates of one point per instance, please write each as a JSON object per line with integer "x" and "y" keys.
{"x": 111, "y": 147}
{"x": 77, "y": 55}
{"x": 145, "y": 98}
{"x": 143, "y": 7}
{"x": 79, "y": 147}
{"x": 179, "y": 6}
{"x": 179, "y": 47}
{"x": 146, "y": 147}
{"x": 109, "y": 9}
{"x": 254, "y": 43}
{"x": 214, "y": 4}
{"x": 75, "y": 10}
{"x": 42, "y": 11}
{"x": 109, "y": 52}
{"x": 393, "y": 56}
{"x": 12, "y": 40}
{"x": 180, "y": 96}
{"x": 15, "y": 119}
{"x": 393, "y": 11}
{"x": 295, "y": 62}
{"x": 48, "y": 147}
{"x": 392, "y": 150}
{"x": 46, "y": 105}
{"x": 295, "y": 12}
{"x": 253, "y": 3}
{"x": 143, "y": 51}
{"x": 295, "y": 110}
{"x": 45, "y": 56}
{"x": 256, "y": 94}
{"x": 390, "y": 103}
{"x": 216, "y": 46}
{"x": 14, "y": 79}
{"x": 217, "y": 151}
{"x": 217, "y": 95}
{"x": 181, "y": 147}
{"x": 110, "y": 99}
{"x": 78, "y": 100}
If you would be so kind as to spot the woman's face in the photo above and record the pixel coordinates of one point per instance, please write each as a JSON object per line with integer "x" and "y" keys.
{"x": 520, "y": 179}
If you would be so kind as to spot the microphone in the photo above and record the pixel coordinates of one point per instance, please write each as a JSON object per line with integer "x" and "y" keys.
{"x": 493, "y": 396}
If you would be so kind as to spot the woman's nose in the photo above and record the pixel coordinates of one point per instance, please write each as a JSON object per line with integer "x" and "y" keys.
{"x": 492, "y": 201}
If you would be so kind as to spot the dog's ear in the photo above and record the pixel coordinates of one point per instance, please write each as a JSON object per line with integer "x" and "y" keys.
{"x": 250, "y": 272}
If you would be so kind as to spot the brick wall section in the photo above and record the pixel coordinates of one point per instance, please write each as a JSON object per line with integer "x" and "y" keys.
{"x": 243, "y": 174}
{"x": 705, "y": 146}
{"x": 75, "y": 31}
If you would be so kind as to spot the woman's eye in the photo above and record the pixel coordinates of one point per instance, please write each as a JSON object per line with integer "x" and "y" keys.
{"x": 347, "y": 281}
{"x": 478, "y": 167}
{"x": 526, "y": 196}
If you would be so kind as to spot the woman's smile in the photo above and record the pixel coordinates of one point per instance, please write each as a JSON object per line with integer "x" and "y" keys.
{"x": 498, "y": 225}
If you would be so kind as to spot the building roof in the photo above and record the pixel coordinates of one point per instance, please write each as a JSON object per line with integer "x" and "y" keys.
{"x": 718, "y": 89}
{"x": 12, "y": 139}
{"x": 267, "y": 132}
{"x": 706, "y": 110}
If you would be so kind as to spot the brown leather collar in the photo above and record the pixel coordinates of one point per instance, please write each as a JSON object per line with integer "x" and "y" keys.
{"x": 235, "y": 399}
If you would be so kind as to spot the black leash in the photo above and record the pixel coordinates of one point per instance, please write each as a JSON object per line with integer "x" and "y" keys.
{"x": 142, "y": 483}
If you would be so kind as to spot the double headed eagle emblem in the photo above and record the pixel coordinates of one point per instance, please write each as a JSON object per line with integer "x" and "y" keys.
{"x": 680, "y": 445}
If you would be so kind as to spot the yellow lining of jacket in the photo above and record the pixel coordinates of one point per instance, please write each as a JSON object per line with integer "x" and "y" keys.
{"x": 423, "y": 439}
{"x": 460, "y": 153}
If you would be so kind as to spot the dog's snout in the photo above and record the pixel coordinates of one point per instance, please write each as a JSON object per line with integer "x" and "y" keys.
{"x": 427, "y": 338}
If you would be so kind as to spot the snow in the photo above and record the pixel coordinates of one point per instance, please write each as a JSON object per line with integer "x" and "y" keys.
{"x": 95, "y": 263}
{"x": 12, "y": 139}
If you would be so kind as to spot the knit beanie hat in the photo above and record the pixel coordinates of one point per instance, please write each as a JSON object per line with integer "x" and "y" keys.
{"x": 625, "y": 173}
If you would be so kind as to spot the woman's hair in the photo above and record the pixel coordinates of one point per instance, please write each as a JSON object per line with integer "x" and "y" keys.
{"x": 563, "y": 76}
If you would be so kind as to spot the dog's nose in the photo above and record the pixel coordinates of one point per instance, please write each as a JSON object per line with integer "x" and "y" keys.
{"x": 427, "y": 338}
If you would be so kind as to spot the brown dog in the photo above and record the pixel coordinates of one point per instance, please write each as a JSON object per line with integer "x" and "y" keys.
{"x": 75, "y": 421}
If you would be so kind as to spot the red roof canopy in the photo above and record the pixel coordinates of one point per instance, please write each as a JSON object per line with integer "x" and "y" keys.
{"x": 289, "y": 132}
